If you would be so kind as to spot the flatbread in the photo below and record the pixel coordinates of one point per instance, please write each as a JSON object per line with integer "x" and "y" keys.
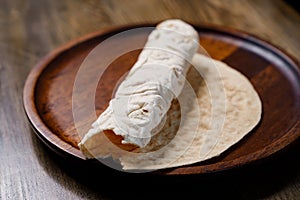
{"x": 143, "y": 98}
{"x": 217, "y": 107}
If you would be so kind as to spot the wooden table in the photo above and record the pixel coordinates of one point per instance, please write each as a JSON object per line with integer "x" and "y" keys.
{"x": 31, "y": 29}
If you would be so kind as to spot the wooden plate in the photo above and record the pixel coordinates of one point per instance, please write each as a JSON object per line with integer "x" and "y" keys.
{"x": 275, "y": 75}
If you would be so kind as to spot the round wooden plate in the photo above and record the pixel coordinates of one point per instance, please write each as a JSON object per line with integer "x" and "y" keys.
{"x": 274, "y": 74}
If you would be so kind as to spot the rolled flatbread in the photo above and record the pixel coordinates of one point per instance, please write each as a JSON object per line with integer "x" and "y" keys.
{"x": 142, "y": 100}
{"x": 174, "y": 121}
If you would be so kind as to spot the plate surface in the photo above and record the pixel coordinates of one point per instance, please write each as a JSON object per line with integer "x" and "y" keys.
{"x": 275, "y": 75}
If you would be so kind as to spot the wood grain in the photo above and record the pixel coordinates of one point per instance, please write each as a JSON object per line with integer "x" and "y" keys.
{"x": 31, "y": 29}
{"x": 51, "y": 105}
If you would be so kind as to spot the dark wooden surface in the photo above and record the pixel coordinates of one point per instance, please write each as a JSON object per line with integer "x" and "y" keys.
{"x": 52, "y": 105}
{"x": 31, "y": 29}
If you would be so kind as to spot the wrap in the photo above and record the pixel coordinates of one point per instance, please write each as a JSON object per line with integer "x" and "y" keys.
{"x": 141, "y": 102}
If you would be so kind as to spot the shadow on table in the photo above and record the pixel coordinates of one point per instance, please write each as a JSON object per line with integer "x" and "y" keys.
{"x": 254, "y": 181}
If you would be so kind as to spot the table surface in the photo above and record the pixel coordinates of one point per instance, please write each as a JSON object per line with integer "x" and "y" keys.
{"x": 31, "y": 29}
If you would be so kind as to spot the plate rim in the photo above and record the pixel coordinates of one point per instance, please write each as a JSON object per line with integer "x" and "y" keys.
{"x": 45, "y": 134}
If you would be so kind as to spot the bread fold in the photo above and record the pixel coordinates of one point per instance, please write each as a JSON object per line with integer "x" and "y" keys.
{"x": 143, "y": 98}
